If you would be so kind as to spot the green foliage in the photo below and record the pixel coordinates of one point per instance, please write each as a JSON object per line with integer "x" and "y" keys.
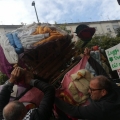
{"x": 63, "y": 27}
{"x": 118, "y": 32}
{"x": 105, "y": 41}
{"x": 3, "y": 78}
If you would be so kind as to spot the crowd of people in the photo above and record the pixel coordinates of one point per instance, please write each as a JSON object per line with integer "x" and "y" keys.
{"x": 104, "y": 98}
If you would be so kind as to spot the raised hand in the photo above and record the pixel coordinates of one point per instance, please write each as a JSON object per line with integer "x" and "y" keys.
{"x": 87, "y": 52}
{"x": 15, "y": 74}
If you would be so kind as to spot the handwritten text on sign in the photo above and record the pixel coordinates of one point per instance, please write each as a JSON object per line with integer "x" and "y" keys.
{"x": 113, "y": 55}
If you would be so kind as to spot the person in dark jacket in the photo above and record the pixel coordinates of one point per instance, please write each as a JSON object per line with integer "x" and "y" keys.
{"x": 104, "y": 98}
{"x": 16, "y": 110}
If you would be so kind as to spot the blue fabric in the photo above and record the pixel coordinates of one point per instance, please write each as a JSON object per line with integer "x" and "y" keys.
{"x": 19, "y": 47}
{"x": 15, "y": 42}
{"x": 11, "y": 40}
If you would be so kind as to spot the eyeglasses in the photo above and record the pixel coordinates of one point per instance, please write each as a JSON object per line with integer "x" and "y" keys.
{"x": 91, "y": 89}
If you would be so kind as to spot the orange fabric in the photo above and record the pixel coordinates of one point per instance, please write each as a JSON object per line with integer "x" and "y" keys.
{"x": 42, "y": 30}
{"x": 79, "y": 74}
{"x": 51, "y": 38}
{"x": 30, "y": 106}
{"x": 47, "y": 30}
{"x": 66, "y": 97}
{"x": 53, "y": 34}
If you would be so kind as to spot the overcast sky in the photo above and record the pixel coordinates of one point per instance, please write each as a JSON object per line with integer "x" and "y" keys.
{"x": 17, "y": 11}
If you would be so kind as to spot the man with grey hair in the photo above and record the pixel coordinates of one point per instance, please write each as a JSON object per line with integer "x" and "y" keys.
{"x": 99, "y": 87}
{"x": 16, "y": 110}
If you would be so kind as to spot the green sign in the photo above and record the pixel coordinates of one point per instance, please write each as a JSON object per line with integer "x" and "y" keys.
{"x": 113, "y": 55}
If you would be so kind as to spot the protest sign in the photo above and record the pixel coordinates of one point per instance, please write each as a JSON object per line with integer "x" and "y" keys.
{"x": 113, "y": 55}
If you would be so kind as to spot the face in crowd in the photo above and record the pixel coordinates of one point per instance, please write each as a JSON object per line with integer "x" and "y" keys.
{"x": 99, "y": 87}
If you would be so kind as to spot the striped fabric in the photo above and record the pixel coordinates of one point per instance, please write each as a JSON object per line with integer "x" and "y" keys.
{"x": 27, "y": 117}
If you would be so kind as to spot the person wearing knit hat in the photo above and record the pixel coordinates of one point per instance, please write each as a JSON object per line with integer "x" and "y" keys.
{"x": 85, "y": 33}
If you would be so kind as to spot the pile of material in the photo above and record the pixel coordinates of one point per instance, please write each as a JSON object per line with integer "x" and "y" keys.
{"x": 44, "y": 49}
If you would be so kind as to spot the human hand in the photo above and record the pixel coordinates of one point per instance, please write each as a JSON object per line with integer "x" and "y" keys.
{"x": 81, "y": 55}
{"x": 15, "y": 74}
{"x": 87, "y": 52}
{"x": 28, "y": 77}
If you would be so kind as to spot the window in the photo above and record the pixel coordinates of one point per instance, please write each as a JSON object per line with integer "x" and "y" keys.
{"x": 108, "y": 28}
{"x": 115, "y": 27}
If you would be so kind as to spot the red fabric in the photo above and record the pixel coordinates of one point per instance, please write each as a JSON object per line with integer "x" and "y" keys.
{"x": 95, "y": 48}
{"x": 67, "y": 78}
{"x": 86, "y": 34}
{"x": 5, "y": 66}
{"x": 34, "y": 95}
{"x": 66, "y": 81}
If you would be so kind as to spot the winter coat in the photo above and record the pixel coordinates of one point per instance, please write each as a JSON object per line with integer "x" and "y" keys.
{"x": 107, "y": 108}
{"x": 45, "y": 109}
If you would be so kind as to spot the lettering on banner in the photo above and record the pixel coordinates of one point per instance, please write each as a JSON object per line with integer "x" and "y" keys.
{"x": 113, "y": 55}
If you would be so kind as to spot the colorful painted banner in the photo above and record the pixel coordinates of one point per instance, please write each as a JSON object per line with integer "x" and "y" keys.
{"x": 113, "y": 55}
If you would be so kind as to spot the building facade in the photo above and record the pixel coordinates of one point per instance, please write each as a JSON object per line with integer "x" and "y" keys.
{"x": 102, "y": 27}
{"x": 8, "y": 28}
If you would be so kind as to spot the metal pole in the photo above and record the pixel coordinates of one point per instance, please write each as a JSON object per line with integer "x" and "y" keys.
{"x": 36, "y": 14}
{"x": 33, "y": 4}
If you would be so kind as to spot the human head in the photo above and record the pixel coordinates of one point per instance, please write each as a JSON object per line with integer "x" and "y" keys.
{"x": 14, "y": 111}
{"x": 99, "y": 87}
